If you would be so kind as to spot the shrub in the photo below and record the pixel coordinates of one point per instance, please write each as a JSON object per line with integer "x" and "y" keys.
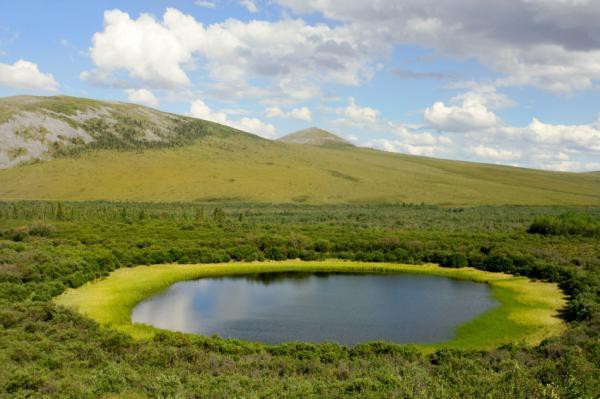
{"x": 18, "y": 233}
{"x": 41, "y": 230}
{"x": 566, "y": 224}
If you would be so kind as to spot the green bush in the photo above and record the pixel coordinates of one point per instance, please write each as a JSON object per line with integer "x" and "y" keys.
{"x": 48, "y": 351}
{"x": 566, "y": 224}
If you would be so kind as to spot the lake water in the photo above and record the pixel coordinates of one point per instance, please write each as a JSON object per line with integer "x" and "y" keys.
{"x": 343, "y": 308}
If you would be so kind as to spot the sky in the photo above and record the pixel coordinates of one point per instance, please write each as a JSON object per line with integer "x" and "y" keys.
{"x": 513, "y": 82}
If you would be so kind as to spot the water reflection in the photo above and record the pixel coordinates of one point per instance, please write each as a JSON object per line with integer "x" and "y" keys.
{"x": 345, "y": 308}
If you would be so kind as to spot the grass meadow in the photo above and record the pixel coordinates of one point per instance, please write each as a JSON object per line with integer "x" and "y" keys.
{"x": 239, "y": 168}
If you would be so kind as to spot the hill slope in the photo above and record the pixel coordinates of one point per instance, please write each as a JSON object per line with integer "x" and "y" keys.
{"x": 314, "y": 136}
{"x": 42, "y": 128}
{"x": 198, "y": 160}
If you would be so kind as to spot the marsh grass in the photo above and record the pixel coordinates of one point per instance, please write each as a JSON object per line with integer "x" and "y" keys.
{"x": 527, "y": 311}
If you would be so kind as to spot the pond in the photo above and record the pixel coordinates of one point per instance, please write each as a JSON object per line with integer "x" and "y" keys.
{"x": 316, "y": 307}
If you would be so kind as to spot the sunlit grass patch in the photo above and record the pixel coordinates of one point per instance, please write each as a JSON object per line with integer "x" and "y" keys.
{"x": 527, "y": 310}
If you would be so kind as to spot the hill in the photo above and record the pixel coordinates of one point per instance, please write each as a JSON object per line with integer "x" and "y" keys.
{"x": 128, "y": 152}
{"x": 314, "y": 136}
{"x": 43, "y": 128}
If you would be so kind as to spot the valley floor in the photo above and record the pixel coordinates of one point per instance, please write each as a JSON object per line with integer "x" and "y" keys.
{"x": 50, "y": 350}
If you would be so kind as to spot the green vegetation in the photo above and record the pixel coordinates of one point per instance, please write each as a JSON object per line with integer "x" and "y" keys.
{"x": 83, "y": 125}
{"x": 567, "y": 224}
{"x": 528, "y": 311}
{"x": 243, "y": 168}
{"x": 138, "y": 154}
{"x": 47, "y": 350}
{"x": 331, "y": 202}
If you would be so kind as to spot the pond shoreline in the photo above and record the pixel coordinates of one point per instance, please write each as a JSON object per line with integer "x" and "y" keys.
{"x": 527, "y": 313}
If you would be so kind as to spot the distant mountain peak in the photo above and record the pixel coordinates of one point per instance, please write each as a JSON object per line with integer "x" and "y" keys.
{"x": 314, "y": 136}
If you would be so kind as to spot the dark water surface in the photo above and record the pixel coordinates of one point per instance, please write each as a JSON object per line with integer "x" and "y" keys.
{"x": 344, "y": 308}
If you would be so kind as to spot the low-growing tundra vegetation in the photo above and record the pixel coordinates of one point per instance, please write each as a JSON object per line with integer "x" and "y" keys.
{"x": 49, "y": 351}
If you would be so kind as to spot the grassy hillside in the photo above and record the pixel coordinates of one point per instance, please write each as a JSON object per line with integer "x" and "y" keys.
{"x": 208, "y": 162}
{"x": 44, "y": 128}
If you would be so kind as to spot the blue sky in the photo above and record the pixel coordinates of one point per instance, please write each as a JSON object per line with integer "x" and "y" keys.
{"x": 505, "y": 82}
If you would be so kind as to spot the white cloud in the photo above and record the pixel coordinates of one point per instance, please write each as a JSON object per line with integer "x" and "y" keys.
{"x": 198, "y": 109}
{"x": 470, "y": 110}
{"x": 411, "y": 136}
{"x": 354, "y": 114}
{"x": 495, "y": 154}
{"x": 302, "y": 113}
{"x": 550, "y": 44}
{"x": 573, "y": 166}
{"x": 291, "y": 56}
{"x": 487, "y": 137}
{"x": 148, "y": 50}
{"x": 274, "y": 112}
{"x": 352, "y": 138}
{"x": 484, "y": 94}
{"x": 142, "y": 96}
{"x": 469, "y": 130}
{"x": 411, "y": 141}
{"x": 407, "y": 148}
{"x": 205, "y": 4}
{"x": 574, "y": 137}
{"x": 26, "y": 75}
{"x": 256, "y": 126}
{"x": 249, "y": 4}
{"x": 468, "y": 116}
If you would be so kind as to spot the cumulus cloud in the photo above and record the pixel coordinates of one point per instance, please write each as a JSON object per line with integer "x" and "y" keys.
{"x": 469, "y": 129}
{"x": 274, "y": 112}
{"x": 573, "y": 137}
{"x": 412, "y": 141}
{"x": 484, "y": 94}
{"x": 468, "y": 116}
{"x": 142, "y": 96}
{"x": 468, "y": 111}
{"x": 404, "y": 147}
{"x": 351, "y": 138}
{"x": 302, "y": 113}
{"x": 550, "y": 44}
{"x": 489, "y": 138}
{"x": 354, "y": 114}
{"x": 148, "y": 50}
{"x": 293, "y": 56}
{"x": 408, "y": 139}
{"x": 26, "y": 75}
{"x": 199, "y": 109}
{"x": 249, "y": 5}
{"x": 256, "y": 126}
{"x": 495, "y": 154}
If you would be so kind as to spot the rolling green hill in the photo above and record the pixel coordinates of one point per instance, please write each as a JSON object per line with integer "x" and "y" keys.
{"x": 116, "y": 151}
